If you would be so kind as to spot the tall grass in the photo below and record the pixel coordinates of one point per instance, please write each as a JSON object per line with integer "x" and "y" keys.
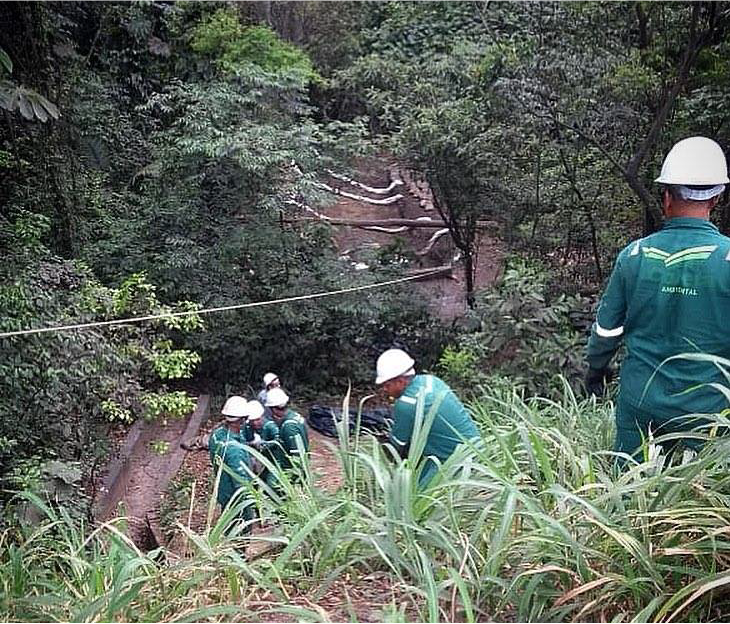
{"x": 532, "y": 523}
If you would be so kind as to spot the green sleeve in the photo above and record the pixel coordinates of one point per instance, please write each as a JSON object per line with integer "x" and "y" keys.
{"x": 290, "y": 431}
{"x": 607, "y": 331}
{"x": 248, "y": 433}
{"x": 404, "y": 413}
{"x": 269, "y": 435}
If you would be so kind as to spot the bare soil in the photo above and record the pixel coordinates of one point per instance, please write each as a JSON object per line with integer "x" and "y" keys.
{"x": 445, "y": 296}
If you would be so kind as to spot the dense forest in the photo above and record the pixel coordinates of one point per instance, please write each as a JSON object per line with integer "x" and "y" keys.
{"x": 164, "y": 157}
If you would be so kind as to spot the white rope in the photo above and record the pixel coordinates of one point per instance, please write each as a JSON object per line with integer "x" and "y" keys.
{"x": 365, "y": 187}
{"x": 368, "y": 200}
{"x": 237, "y": 306}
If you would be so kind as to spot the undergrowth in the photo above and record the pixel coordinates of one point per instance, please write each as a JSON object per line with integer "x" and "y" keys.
{"x": 532, "y": 523}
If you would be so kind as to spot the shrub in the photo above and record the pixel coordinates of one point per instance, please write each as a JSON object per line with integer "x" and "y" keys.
{"x": 525, "y": 332}
{"x": 234, "y": 46}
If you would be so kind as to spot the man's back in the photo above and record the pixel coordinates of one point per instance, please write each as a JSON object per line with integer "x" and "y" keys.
{"x": 452, "y": 423}
{"x": 292, "y": 433}
{"x": 675, "y": 288}
{"x": 227, "y": 447}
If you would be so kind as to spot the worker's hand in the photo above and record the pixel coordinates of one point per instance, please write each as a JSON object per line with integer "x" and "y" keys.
{"x": 596, "y": 380}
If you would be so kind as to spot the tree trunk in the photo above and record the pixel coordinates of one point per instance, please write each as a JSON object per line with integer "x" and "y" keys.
{"x": 469, "y": 275}
{"x": 725, "y": 218}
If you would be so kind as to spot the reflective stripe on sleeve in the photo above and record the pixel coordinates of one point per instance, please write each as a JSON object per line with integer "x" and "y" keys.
{"x": 397, "y": 441}
{"x": 407, "y": 399}
{"x": 609, "y": 333}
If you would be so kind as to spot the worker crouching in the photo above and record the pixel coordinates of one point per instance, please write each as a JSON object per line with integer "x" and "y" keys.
{"x": 230, "y": 460}
{"x": 451, "y": 424}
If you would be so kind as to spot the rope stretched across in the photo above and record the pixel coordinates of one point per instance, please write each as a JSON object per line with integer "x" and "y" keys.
{"x": 236, "y": 306}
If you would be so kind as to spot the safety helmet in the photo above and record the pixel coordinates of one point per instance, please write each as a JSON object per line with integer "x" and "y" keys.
{"x": 269, "y": 378}
{"x": 695, "y": 161}
{"x": 254, "y": 409}
{"x": 391, "y": 364}
{"x": 276, "y": 397}
{"x": 235, "y": 407}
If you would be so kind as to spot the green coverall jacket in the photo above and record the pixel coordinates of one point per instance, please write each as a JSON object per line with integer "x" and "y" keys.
{"x": 269, "y": 443}
{"x": 228, "y": 447}
{"x": 292, "y": 427}
{"x": 669, "y": 294}
{"x": 451, "y": 425}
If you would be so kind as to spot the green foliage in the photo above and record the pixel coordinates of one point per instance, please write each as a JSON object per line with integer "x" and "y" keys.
{"x": 161, "y": 447}
{"x": 458, "y": 365}
{"x": 526, "y": 332}
{"x": 531, "y": 522}
{"x": 171, "y": 363}
{"x": 235, "y": 47}
{"x": 52, "y": 483}
{"x": 6, "y": 62}
{"x": 175, "y": 404}
{"x": 114, "y": 412}
{"x": 134, "y": 296}
{"x": 29, "y": 103}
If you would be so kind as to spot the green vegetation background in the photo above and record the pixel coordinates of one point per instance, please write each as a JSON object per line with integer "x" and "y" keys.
{"x": 146, "y": 152}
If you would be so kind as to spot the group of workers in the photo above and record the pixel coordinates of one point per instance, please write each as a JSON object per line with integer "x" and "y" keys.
{"x": 668, "y": 297}
{"x": 266, "y": 424}
{"x": 284, "y": 440}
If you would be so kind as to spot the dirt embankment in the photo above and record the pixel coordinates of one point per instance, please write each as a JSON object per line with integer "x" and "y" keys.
{"x": 445, "y": 294}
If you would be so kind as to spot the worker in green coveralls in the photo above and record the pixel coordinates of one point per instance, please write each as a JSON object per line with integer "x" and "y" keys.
{"x": 452, "y": 424}
{"x": 261, "y": 433}
{"x": 669, "y": 294}
{"x": 293, "y": 442}
{"x": 226, "y": 447}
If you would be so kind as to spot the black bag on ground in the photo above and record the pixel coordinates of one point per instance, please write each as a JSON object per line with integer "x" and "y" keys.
{"x": 375, "y": 421}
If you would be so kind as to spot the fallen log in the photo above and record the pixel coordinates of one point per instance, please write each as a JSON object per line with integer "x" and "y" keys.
{"x": 432, "y": 241}
{"x": 361, "y": 198}
{"x": 445, "y": 270}
{"x": 416, "y": 223}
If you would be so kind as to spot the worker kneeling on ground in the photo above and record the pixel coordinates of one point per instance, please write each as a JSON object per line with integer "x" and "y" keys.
{"x": 229, "y": 457}
{"x": 261, "y": 433}
{"x": 451, "y": 424}
{"x": 668, "y": 295}
{"x": 293, "y": 442}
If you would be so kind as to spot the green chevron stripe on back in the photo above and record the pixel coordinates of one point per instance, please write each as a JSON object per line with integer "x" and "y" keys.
{"x": 654, "y": 250}
{"x": 691, "y": 251}
{"x": 686, "y": 258}
{"x": 652, "y": 256}
{"x": 701, "y": 252}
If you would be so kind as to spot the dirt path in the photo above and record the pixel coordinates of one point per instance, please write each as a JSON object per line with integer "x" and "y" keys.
{"x": 137, "y": 479}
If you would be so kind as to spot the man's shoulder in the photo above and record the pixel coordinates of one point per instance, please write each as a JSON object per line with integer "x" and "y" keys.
{"x": 654, "y": 242}
{"x": 295, "y": 418}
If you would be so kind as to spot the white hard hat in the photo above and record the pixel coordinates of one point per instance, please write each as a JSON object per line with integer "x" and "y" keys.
{"x": 255, "y": 409}
{"x": 270, "y": 378}
{"x": 276, "y": 397}
{"x": 391, "y": 364}
{"x": 695, "y": 161}
{"x": 235, "y": 407}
